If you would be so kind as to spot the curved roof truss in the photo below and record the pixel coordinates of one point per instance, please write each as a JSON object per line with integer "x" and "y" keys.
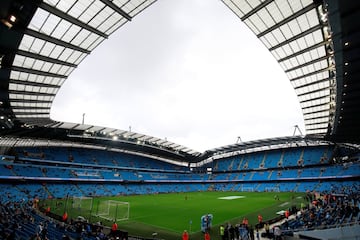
{"x": 59, "y": 36}
{"x": 297, "y": 34}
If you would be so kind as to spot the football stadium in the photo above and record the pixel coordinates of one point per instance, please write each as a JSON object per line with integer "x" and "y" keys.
{"x": 64, "y": 180}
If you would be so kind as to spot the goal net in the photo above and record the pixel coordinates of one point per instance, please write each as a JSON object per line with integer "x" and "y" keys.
{"x": 247, "y": 189}
{"x": 113, "y": 210}
{"x": 82, "y": 204}
{"x": 272, "y": 189}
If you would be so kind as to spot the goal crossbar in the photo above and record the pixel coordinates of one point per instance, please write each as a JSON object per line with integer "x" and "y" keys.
{"x": 113, "y": 210}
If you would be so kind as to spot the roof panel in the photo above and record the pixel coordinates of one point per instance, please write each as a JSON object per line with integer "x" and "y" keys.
{"x": 274, "y": 10}
{"x": 61, "y": 30}
{"x": 258, "y": 23}
{"x": 316, "y": 127}
{"x": 317, "y": 112}
{"x": 286, "y": 31}
{"x": 83, "y": 38}
{"x": 244, "y": 6}
{"x": 56, "y": 51}
{"x": 62, "y": 5}
{"x": 251, "y": 25}
{"x": 266, "y": 17}
{"x": 36, "y": 45}
{"x": 32, "y": 115}
{"x": 284, "y": 8}
{"x": 105, "y": 19}
{"x": 78, "y": 8}
{"x": 44, "y": 49}
{"x": 39, "y": 19}
{"x": 71, "y": 32}
{"x": 91, "y": 11}
{"x": 316, "y": 131}
{"x": 113, "y": 28}
{"x": 253, "y": 3}
{"x": 52, "y": 22}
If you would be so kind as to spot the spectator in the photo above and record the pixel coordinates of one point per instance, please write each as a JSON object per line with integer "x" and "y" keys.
{"x": 251, "y": 232}
{"x": 65, "y": 217}
{"x": 260, "y": 219}
{"x": 232, "y": 232}
{"x": 277, "y": 233}
{"x": 222, "y": 232}
{"x": 185, "y": 235}
{"x": 114, "y": 228}
{"x": 245, "y": 222}
{"x": 287, "y": 214}
{"x": 65, "y": 237}
{"x": 257, "y": 234}
{"x": 207, "y": 236}
{"x": 39, "y": 229}
{"x": 267, "y": 229}
{"x": 237, "y": 233}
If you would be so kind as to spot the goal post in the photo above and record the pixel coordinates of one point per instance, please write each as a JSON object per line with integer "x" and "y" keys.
{"x": 82, "y": 204}
{"x": 247, "y": 189}
{"x": 272, "y": 189}
{"x": 113, "y": 210}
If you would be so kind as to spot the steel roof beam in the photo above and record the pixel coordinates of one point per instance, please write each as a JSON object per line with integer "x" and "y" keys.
{"x": 256, "y": 9}
{"x": 300, "y": 35}
{"x": 29, "y": 107}
{"x": 314, "y": 124}
{"x": 314, "y": 91}
{"x": 313, "y": 99}
{"x": 312, "y": 83}
{"x": 71, "y": 19}
{"x": 117, "y": 9}
{"x": 55, "y": 41}
{"x": 88, "y": 128}
{"x": 317, "y": 105}
{"x": 318, "y": 128}
{"x": 288, "y": 19}
{"x": 304, "y": 50}
{"x": 311, "y": 73}
{"x": 37, "y": 84}
{"x": 31, "y": 113}
{"x": 307, "y": 63}
{"x": 44, "y": 58}
{"x": 75, "y": 126}
{"x": 29, "y": 101}
{"x": 320, "y": 111}
{"x": 39, "y": 120}
{"x": 37, "y": 72}
{"x": 31, "y": 93}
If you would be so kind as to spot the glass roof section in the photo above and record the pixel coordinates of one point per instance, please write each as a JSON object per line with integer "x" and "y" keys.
{"x": 297, "y": 34}
{"x": 60, "y": 35}
{"x": 98, "y": 132}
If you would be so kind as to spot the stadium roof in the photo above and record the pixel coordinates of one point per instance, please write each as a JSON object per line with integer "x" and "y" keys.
{"x": 264, "y": 145}
{"x": 42, "y": 42}
{"x": 316, "y": 43}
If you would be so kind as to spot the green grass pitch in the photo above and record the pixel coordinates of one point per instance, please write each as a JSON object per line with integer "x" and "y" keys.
{"x": 169, "y": 214}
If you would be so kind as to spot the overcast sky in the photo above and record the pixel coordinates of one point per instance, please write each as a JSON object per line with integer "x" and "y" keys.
{"x": 186, "y": 70}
